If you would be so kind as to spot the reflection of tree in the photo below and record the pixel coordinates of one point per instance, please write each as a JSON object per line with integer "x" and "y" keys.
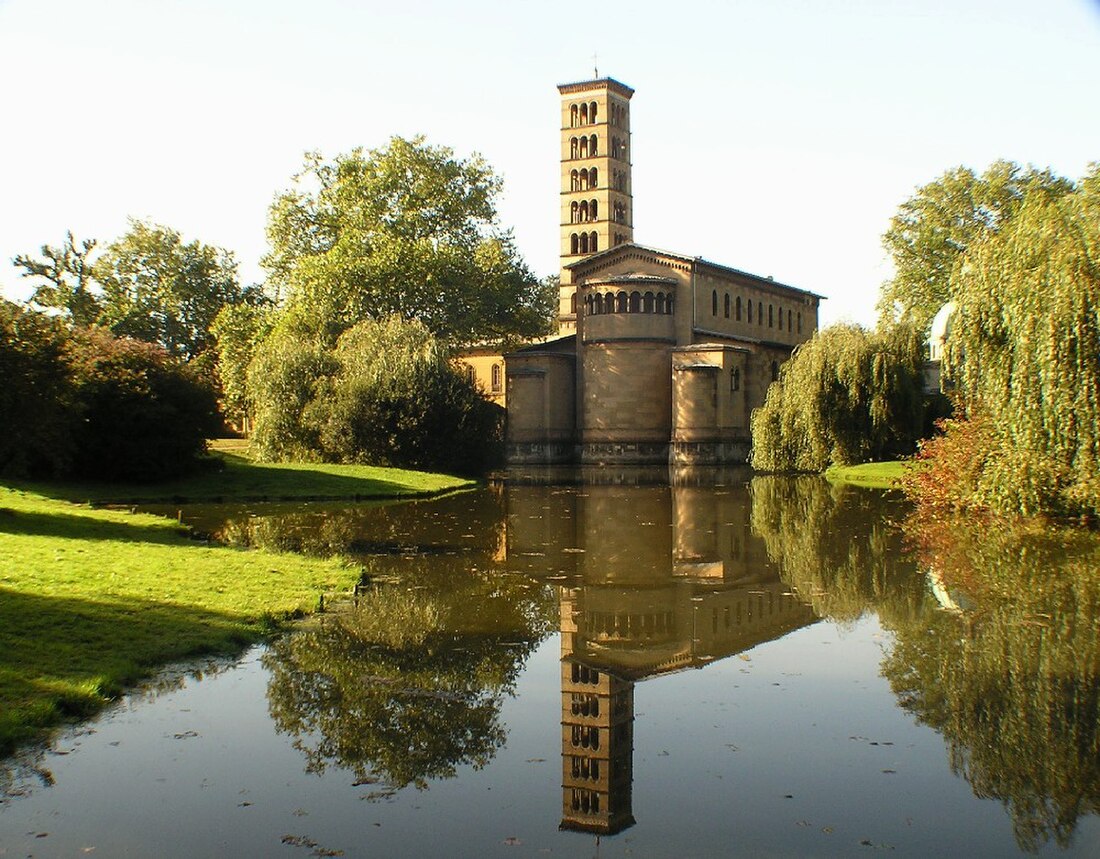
{"x": 1014, "y": 687}
{"x": 407, "y": 685}
{"x": 835, "y": 546}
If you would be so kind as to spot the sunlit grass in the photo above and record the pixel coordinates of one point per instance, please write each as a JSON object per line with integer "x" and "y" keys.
{"x": 876, "y": 475}
{"x": 93, "y": 599}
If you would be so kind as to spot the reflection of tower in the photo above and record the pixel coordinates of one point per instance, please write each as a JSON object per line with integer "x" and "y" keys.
{"x": 597, "y": 749}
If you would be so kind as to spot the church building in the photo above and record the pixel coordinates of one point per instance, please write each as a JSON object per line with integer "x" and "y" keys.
{"x": 661, "y": 356}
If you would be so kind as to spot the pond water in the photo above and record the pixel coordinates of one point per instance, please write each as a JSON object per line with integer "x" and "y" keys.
{"x": 614, "y": 666}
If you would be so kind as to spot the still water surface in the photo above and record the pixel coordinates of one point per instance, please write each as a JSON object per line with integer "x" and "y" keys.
{"x": 614, "y": 668}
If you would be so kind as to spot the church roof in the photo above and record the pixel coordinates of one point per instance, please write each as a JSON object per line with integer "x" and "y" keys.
{"x": 696, "y": 260}
{"x": 597, "y": 83}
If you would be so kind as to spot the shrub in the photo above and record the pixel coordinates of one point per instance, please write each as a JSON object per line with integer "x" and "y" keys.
{"x": 36, "y": 397}
{"x": 144, "y": 416}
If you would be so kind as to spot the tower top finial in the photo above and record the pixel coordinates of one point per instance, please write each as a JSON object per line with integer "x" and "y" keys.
{"x": 595, "y": 68}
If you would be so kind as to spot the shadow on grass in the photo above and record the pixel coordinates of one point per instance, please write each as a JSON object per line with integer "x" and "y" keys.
{"x": 241, "y": 479}
{"x": 74, "y": 526}
{"x": 62, "y": 658}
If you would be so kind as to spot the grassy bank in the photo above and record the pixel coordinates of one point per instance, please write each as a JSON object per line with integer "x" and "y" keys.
{"x": 877, "y": 475}
{"x": 92, "y": 600}
{"x": 236, "y": 477}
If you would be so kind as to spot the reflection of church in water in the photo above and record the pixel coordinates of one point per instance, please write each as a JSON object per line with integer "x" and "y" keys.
{"x": 667, "y": 578}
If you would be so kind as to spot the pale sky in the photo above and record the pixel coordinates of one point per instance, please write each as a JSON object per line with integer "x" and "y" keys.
{"x": 774, "y": 136}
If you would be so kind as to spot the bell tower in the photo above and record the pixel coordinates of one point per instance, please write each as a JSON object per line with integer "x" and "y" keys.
{"x": 597, "y": 210}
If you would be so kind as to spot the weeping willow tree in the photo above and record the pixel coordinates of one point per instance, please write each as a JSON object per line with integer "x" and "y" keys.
{"x": 1024, "y": 351}
{"x": 846, "y": 396}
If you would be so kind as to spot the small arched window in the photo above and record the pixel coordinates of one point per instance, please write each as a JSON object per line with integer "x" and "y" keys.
{"x": 735, "y": 379}
{"x": 771, "y": 315}
{"x": 573, "y": 304}
{"x": 574, "y": 181}
{"x": 609, "y": 303}
{"x": 573, "y": 115}
{"x": 800, "y": 322}
{"x": 594, "y": 242}
{"x": 749, "y": 303}
{"x": 727, "y": 306}
{"x": 714, "y": 302}
{"x": 574, "y": 243}
{"x": 584, "y": 147}
{"x": 582, "y": 212}
{"x": 592, "y": 112}
{"x": 496, "y": 378}
{"x": 592, "y": 181}
{"x": 584, "y": 243}
{"x": 737, "y": 309}
{"x": 594, "y": 210}
{"x": 660, "y": 303}
{"x": 584, "y": 114}
{"x": 620, "y": 303}
{"x": 592, "y": 146}
{"x": 573, "y": 144}
{"x": 760, "y": 313}
{"x": 635, "y": 302}
{"x": 670, "y": 308}
{"x": 647, "y": 306}
{"x": 789, "y": 328}
{"x": 574, "y": 212}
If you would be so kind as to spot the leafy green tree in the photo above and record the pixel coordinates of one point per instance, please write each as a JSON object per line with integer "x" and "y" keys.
{"x": 935, "y": 226}
{"x": 238, "y": 330}
{"x": 846, "y": 396}
{"x": 162, "y": 290}
{"x": 64, "y": 279}
{"x": 407, "y": 230}
{"x": 1024, "y": 350}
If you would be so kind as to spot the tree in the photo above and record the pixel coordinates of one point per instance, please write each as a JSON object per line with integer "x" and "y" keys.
{"x": 1025, "y": 354}
{"x": 846, "y": 396}
{"x": 935, "y": 226}
{"x": 408, "y": 230}
{"x": 68, "y": 275}
{"x": 238, "y": 330}
{"x": 159, "y": 289}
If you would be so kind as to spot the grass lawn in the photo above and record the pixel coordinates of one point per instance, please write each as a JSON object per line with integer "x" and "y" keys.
{"x": 878, "y": 475}
{"x": 243, "y": 479}
{"x": 91, "y": 600}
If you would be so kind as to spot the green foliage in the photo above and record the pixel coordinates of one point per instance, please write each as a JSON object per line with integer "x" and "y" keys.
{"x": 64, "y": 279}
{"x": 36, "y": 397}
{"x": 143, "y": 416}
{"x": 406, "y": 230}
{"x": 846, "y": 396}
{"x": 238, "y": 330}
{"x": 1023, "y": 352}
{"x": 388, "y": 394}
{"x": 935, "y": 226}
{"x": 161, "y": 290}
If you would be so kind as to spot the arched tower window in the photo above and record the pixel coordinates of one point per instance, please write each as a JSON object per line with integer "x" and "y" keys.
{"x": 584, "y": 243}
{"x": 714, "y": 302}
{"x": 660, "y": 303}
{"x": 737, "y": 309}
{"x": 574, "y": 181}
{"x": 574, "y": 243}
{"x": 584, "y": 114}
{"x": 789, "y": 321}
{"x": 573, "y": 144}
{"x": 609, "y": 303}
{"x": 620, "y": 303}
{"x": 584, "y": 147}
{"x": 592, "y": 178}
{"x": 647, "y": 303}
{"x": 760, "y": 313}
{"x": 594, "y": 242}
{"x": 592, "y": 112}
{"x": 573, "y": 304}
{"x": 592, "y": 146}
{"x": 594, "y": 210}
{"x": 727, "y": 305}
{"x": 584, "y": 181}
{"x": 574, "y": 212}
{"x": 635, "y": 302}
{"x": 771, "y": 315}
{"x": 583, "y": 210}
